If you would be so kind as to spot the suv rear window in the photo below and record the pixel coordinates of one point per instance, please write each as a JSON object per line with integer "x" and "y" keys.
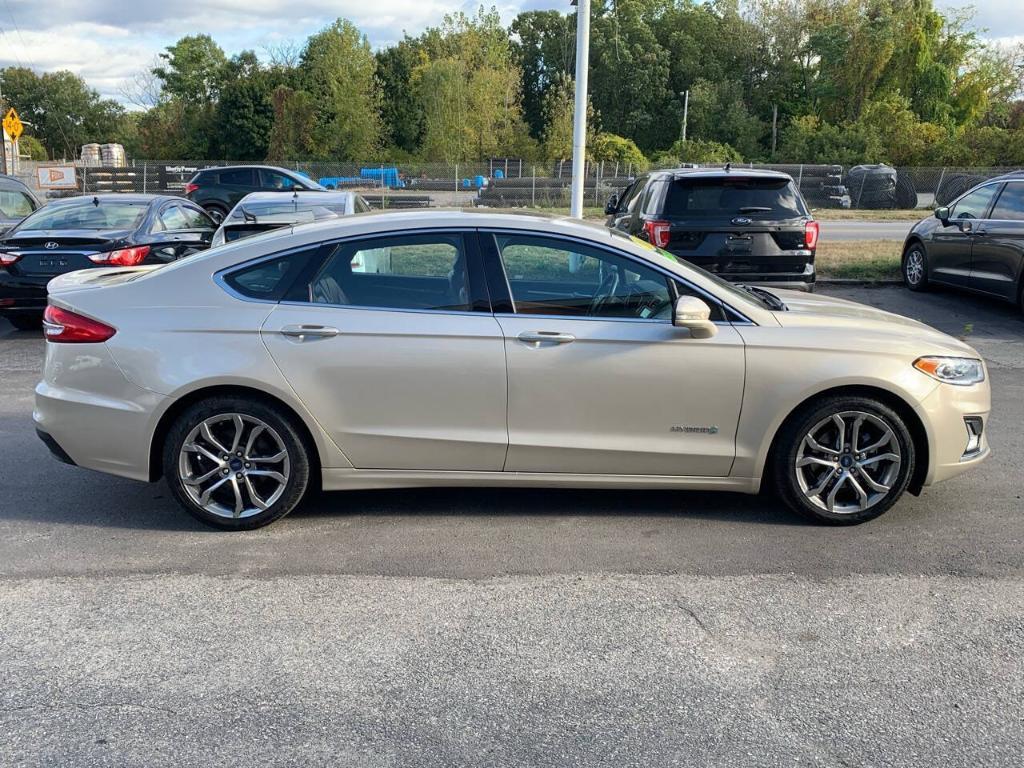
{"x": 733, "y": 196}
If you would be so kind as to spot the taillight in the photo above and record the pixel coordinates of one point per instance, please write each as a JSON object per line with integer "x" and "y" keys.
{"x": 125, "y": 257}
{"x": 811, "y": 234}
{"x": 6, "y": 259}
{"x": 657, "y": 232}
{"x": 190, "y": 188}
{"x": 62, "y": 325}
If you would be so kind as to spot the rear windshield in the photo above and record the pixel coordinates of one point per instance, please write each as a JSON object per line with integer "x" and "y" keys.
{"x": 733, "y": 196}
{"x": 86, "y": 215}
{"x": 287, "y": 212}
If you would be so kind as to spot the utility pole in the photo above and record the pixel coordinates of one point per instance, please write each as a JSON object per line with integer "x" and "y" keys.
{"x": 686, "y": 110}
{"x": 579, "y": 118}
{"x": 775, "y": 127}
{"x": 3, "y": 140}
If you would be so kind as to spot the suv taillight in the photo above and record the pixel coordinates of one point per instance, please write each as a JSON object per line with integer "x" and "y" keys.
{"x": 811, "y": 234}
{"x": 190, "y": 188}
{"x": 657, "y": 232}
{"x": 125, "y": 257}
{"x": 62, "y": 325}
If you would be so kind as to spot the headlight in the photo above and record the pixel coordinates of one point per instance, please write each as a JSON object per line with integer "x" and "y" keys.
{"x": 962, "y": 371}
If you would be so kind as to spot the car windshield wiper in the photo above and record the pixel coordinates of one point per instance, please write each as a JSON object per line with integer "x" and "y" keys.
{"x": 769, "y": 298}
{"x": 754, "y": 209}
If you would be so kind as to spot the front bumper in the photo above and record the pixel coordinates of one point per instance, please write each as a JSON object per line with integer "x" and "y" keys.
{"x": 947, "y": 410}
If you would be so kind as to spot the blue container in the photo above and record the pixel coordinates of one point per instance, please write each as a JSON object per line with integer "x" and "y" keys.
{"x": 499, "y": 174}
{"x": 466, "y": 184}
{"x": 480, "y": 182}
{"x": 386, "y": 176}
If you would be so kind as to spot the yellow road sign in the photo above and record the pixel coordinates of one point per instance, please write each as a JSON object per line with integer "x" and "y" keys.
{"x": 13, "y": 126}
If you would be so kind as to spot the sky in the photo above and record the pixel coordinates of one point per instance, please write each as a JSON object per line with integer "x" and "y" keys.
{"x": 109, "y": 41}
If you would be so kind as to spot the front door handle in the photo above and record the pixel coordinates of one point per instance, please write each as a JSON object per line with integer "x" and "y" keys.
{"x": 545, "y": 337}
{"x": 309, "y": 331}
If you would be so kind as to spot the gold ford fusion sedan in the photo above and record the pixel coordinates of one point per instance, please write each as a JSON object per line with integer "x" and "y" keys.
{"x": 459, "y": 348}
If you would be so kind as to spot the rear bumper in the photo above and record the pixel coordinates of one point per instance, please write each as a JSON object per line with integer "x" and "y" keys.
{"x": 92, "y": 414}
{"x": 22, "y": 295}
{"x": 58, "y": 453}
{"x": 787, "y": 270}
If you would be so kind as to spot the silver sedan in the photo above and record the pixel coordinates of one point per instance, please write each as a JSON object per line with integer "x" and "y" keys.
{"x": 458, "y": 348}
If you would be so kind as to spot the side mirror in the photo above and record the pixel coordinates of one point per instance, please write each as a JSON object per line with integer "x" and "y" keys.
{"x": 612, "y": 205}
{"x": 694, "y": 315}
{"x": 942, "y": 214}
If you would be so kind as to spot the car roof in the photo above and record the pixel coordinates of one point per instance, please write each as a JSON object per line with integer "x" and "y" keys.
{"x": 326, "y": 196}
{"x": 719, "y": 173}
{"x": 1011, "y": 176}
{"x": 120, "y": 197}
{"x": 249, "y": 167}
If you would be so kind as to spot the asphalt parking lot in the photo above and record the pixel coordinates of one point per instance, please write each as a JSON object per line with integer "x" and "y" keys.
{"x": 533, "y": 628}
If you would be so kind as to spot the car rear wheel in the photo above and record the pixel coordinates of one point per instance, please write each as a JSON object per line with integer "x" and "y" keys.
{"x": 236, "y": 464}
{"x": 217, "y": 212}
{"x": 915, "y": 268}
{"x": 27, "y": 322}
{"x": 843, "y": 460}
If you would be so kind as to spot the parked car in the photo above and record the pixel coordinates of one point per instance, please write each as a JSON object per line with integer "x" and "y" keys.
{"x": 976, "y": 242}
{"x": 492, "y": 349}
{"x": 218, "y": 190}
{"x": 17, "y": 201}
{"x": 264, "y": 211}
{"x": 92, "y": 231}
{"x": 746, "y": 225}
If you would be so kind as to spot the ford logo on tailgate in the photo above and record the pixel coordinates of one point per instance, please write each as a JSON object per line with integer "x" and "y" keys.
{"x": 741, "y": 221}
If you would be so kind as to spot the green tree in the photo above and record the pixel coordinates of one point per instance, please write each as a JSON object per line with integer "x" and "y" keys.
{"x": 339, "y": 71}
{"x": 244, "y": 111}
{"x": 65, "y": 113}
{"x": 544, "y": 48}
{"x": 401, "y": 111}
{"x": 194, "y": 70}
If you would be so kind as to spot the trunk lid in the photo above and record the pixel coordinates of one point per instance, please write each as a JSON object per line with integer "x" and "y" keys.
{"x": 54, "y": 252}
{"x": 97, "y": 277}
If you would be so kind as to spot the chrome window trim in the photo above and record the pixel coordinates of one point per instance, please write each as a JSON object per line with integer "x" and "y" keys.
{"x": 219, "y": 275}
{"x": 624, "y": 254}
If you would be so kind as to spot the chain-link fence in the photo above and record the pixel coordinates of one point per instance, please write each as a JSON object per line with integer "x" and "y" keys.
{"x": 517, "y": 183}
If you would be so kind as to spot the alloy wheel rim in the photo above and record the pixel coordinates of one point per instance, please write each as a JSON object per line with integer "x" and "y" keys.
{"x": 848, "y": 462}
{"x": 915, "y": 267}
{"x": 234, "y": 465}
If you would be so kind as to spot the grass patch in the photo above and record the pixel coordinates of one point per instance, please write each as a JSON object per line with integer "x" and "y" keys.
{"x": 859, "y": 259}
{"x": 842, "y": 214}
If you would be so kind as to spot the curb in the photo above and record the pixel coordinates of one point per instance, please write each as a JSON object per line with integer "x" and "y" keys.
{"x": 859, "y": 281}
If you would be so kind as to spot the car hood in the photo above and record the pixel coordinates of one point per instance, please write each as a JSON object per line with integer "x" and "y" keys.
{"x": 873, "y": 325}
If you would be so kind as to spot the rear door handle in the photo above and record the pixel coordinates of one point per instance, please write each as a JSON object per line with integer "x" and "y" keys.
{"x": 545, "y": 337}
{"x": 309, "y": 331}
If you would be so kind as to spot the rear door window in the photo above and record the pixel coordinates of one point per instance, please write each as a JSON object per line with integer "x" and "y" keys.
{"x": 756, "y": 198}
{"x": 241, "y": 177}
{"x": 1010, "y": 206}
{"x": 401, "y": 272}
{"x": 275, "y": 180}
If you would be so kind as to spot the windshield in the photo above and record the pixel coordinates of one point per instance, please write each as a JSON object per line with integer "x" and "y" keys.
{"x": 286, "y": 212}
{"x": 757, "y": 198}
{"x": 86, "y": 215}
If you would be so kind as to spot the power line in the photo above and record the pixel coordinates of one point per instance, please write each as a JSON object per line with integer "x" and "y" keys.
{"x": 56, "y": 112}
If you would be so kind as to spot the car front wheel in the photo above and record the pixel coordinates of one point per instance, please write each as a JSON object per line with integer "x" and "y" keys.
{"x": 915, "y": 268}
{"x": 843, "y": 460}
{"x": 235, "y": 463}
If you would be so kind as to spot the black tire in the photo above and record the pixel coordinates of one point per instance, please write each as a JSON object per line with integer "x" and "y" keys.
{"x": 790, "y": 443}
{"x": 914, "y": 267}
{"x": 26, "y": 322}
{"x": 217, "y": 212}
{"x": 282, "y": 429}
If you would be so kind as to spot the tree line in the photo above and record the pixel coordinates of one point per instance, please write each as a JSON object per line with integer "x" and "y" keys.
{"x": 831, "y": 81}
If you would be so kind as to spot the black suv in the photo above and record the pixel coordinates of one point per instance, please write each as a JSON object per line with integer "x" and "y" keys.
{"x": 219, "y": 189}
{"x": 746, "y": 225}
